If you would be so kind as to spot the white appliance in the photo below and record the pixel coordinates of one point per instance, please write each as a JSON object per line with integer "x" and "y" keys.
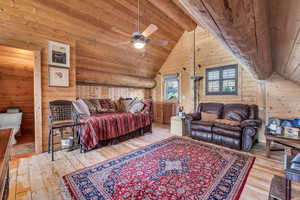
{"x": 11, "y": 121}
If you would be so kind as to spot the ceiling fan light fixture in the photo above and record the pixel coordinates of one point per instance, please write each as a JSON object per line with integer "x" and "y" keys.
{"x": 139, "y": 44}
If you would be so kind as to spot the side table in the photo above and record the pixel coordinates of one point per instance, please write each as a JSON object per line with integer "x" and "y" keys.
{"x": 177, "y": 126}
{"x": 287, "y": 141}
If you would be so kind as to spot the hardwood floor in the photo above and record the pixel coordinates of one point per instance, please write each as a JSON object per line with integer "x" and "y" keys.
{"x": 37, "y": 177}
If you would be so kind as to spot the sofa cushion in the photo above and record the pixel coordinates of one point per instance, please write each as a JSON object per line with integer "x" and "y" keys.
{"x": 227, "y": 127}
{"x": 201, "y": 125}
{"x": 202, "y": 122}
{"x": 208, "y": 116}
{"x": 227, "y": 122}
{"x": 213, "y": 108}
{"x": 236, "y": 112}
{"x": 226, "y": 132}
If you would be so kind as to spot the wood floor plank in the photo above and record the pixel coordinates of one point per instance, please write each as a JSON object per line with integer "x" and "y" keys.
{"x": 38, "y": 178}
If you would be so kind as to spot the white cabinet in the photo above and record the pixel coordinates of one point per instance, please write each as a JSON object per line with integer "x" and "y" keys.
{"x": 13, "y": 121}
{"x": 177, "y": 126}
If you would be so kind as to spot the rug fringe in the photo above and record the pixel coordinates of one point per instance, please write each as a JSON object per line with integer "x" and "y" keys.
{"x": 64, "y": 190}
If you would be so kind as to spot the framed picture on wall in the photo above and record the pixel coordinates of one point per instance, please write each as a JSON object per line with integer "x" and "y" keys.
{"x": 58, "y": 54}
{"x": 58, "y": 77}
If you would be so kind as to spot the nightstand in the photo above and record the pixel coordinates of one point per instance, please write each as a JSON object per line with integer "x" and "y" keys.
{"x": 177, "y": 126}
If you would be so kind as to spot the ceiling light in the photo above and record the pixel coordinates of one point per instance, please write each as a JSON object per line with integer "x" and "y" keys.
{"x": 138, "y": 44}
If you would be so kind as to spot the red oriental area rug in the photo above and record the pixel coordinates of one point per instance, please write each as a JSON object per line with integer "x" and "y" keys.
{"x": 175, "y": 168}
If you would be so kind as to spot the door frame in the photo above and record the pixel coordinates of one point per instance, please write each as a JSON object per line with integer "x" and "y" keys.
{"x": 37, "y": 77}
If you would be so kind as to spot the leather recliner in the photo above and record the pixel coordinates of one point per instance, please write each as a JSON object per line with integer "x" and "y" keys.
{"x": 241, "y": 134}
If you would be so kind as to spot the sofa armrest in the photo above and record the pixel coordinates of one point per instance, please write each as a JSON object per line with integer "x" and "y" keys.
{"x": 255, "y": 123}
{"x": 188, "y": 121}
{"x": 249, "y": 137}
{"x": 193, "y": 116}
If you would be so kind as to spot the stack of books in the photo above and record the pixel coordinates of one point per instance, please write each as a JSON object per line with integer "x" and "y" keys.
{"x": 295, "y": 163}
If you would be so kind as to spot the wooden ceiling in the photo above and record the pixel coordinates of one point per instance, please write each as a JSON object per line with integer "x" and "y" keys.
{"x": 264, "y": 35}
{"x": 97, "y": 28}
{"x": 285, "y": 34}
{"x": 242, "y": 27}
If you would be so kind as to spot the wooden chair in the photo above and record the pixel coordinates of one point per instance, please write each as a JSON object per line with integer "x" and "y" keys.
{"x": 60, "y": 117}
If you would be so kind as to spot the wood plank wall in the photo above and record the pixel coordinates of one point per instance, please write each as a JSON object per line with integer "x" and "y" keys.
{"x": 276, "y": 97}
{"x": 283, "y": 98}
{"x": 114, "y": 93}
{"x": 16, "y": 84}
{"x": 209, "y": 53}
{"x": 94, "y": 29}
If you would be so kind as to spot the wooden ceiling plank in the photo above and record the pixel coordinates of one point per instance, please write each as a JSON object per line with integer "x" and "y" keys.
{"x": 175, "y": 13}
{"x": 241, "y": 26}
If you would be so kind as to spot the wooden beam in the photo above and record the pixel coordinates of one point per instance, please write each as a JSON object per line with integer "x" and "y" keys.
{"x": 242, "y": 27}
{"x": 175, "y": 13}
{"x": 93, "y": 77}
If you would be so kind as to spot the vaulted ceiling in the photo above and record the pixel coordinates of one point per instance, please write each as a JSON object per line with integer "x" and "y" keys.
{"x": 98, "y": 29}
{"x": 264, "y": 35}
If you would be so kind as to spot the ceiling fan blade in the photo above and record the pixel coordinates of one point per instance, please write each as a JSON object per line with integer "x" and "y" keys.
{"x": 117, "y": 30}
{"x": 149, "y": 30}
{"x": 161, "y": 42}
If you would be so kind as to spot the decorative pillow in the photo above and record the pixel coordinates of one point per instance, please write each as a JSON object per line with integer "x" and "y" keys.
{"x": 126, "y": 104}
{"x": 208, "y": 116}
{"x": 96, "y": 104}
{"x": 106, "y": 105}
{"x": 136, "y": 107}
{"x": 235, "y": 116}
{"x": 81, "y": 107}
{"x": 147, "y": 105}
{"x": 228, "y": 122}
{"x": 91, "y": 106}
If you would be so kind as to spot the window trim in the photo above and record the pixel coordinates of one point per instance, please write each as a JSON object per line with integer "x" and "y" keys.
{"x": 221, "y": 79}
{"x": 167, "y": 78}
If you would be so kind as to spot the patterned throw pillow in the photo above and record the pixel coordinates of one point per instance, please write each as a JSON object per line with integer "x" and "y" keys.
{"x": 136, "y": 106}
{"x": 107, "y": 105}
{"x": 91, "y": 106}
{"x": 235, "y": 116}
{"x": 126, "y": 104}
{"x": 147, "y": 105}
{"x": 96, "y": 104}
{"x": 81, "y": 108}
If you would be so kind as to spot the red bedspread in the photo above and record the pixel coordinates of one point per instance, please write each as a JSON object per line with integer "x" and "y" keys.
{"x": 106, "y": 126}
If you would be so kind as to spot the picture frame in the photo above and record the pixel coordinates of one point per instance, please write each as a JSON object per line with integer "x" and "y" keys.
{"x": 58, "y": 77}
{"x": 58, "y": 54}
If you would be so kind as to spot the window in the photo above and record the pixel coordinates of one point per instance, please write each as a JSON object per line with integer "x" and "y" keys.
{"x": 171, "y": 87}
{"x": 222, "y": 80}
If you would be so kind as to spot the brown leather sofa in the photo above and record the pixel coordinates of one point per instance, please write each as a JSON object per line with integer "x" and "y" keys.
{"x": 236, "y": 126}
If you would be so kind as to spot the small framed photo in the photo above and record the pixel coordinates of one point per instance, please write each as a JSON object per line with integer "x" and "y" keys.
{"x": 58, "y": 77}
{"x": 58, "y": 54}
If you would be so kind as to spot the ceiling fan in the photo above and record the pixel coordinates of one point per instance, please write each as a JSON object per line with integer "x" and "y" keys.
{"x": 140, "y": 39}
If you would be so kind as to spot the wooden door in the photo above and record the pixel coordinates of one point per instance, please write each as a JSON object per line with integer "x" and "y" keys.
{"x": 171, "y": 97}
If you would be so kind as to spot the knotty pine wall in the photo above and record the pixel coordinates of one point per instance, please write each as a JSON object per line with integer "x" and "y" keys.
{"x": 114, "y": 93}
{"x": 276, "y": 97}
{"x": 283, "y": 98}
{"x": 209, "y": 53}
{"x": 16, "y": 84}
{"x": 93, "y": 29}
